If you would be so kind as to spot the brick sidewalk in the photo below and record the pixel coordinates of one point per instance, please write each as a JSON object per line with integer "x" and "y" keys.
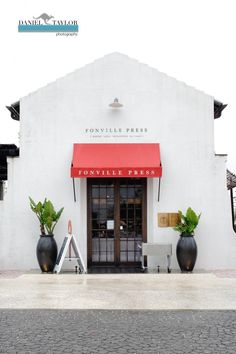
{"x": 117, "y": 332}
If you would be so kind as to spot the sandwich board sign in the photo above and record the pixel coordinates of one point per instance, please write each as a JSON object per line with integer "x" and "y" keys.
{"x": 69, "y": 243}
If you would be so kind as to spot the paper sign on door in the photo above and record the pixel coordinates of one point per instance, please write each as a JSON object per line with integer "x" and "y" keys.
{"x": 110, "y": 224}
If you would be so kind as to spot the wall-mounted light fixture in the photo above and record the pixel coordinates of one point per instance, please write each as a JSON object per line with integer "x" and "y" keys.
{"x": 116, "y": 104}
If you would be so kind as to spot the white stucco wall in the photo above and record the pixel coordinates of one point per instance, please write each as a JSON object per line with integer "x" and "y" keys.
{"x": 177, "y": 116}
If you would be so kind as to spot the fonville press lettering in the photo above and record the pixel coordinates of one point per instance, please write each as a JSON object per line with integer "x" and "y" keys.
{"x": 97, "y": 173}
{"x": 115, "y": 130}
{"x": 103, "y": 130}
{"x": 117, "y": 172}
{"x": 136, "y": 130}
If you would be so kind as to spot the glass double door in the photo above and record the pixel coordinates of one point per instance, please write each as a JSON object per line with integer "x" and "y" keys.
{"x": 116, "y": 220}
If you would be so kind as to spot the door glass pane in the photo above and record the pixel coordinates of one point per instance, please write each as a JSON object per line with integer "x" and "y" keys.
{"x": 110, "y": 193}
{"x": 123, "y": 194}
{"x": 95, "y": 192}
{"x": 131, "y": 192}
{"x": 131, "y": 196}
{"x": 103, "y": 192}
{"x": 102, "y": 199}
{"x": 95, "y": 224}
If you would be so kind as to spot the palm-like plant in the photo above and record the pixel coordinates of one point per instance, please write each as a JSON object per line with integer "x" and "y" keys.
{"x": 46, "y": 214}
{"x": 188, "y": 222}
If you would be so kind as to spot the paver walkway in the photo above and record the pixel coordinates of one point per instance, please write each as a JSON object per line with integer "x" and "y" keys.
{"x": 117, "y": 332}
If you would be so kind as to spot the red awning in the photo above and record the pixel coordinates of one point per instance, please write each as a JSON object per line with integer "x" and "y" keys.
{"x": 116, "y": 160}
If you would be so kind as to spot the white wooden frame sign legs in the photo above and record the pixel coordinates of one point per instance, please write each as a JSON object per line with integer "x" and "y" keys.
{"x": 68, "y": 243}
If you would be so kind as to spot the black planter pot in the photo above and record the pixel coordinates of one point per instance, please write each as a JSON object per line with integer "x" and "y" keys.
{"x": 46, "y": 253}
{"x": 186, "y": 252}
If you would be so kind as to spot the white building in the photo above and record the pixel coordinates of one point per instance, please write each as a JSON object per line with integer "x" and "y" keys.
{"x": 112, "y": 214}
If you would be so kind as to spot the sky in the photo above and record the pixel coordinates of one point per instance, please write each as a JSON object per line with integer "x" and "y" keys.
{"x": 191, "y": 40}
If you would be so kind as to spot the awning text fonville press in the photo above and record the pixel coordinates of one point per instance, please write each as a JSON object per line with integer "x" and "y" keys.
{"x": 117, "y": 173}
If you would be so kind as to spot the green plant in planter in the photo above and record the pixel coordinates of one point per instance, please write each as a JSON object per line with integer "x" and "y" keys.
{"x": 46, "y": 214}
{"x": 188, "y": 222}
{"x": 186, "y": 249}
{"x": 47, "y": 247}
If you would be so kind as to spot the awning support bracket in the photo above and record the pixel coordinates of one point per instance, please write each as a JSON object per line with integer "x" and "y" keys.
{"x": 159, "y": 189}
{"x": 73, "y": 180}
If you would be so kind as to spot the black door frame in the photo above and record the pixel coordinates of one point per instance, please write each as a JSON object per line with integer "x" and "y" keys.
{"x": 116, "y": 230}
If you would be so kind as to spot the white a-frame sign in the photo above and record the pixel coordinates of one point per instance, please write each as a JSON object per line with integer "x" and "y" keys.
{"x": 69, "y": 242}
